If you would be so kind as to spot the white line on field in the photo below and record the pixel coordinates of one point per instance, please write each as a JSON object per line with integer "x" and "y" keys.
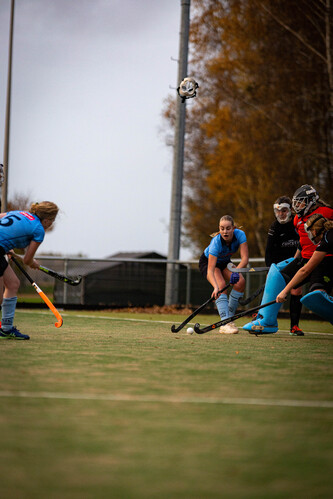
{"x": 327, "y": 404}
{"x": 127, "y": 319}
{"x": 86, "y": 316}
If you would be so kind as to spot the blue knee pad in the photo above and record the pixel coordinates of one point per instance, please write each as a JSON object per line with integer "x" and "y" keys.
{"x": 320, "y": 303}
{"x": 267, "y": 317}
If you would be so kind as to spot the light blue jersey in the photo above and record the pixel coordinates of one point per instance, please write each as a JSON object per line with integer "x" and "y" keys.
{"x": 219, "y": 248}
{"x": 18, "y": 229}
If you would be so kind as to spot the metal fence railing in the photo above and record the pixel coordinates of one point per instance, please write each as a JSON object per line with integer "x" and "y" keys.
{"x": 119, "y": 282}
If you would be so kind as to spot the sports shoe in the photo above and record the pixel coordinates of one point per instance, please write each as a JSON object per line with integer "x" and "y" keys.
{"x": 230, "y": 328}
{"x": 13, "y": 334}
{"x": 296, "y": 331}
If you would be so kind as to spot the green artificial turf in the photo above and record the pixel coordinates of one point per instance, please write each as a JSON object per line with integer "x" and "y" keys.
{"x": 115, "y": 405}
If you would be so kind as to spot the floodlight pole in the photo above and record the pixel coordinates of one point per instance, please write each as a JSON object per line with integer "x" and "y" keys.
{"x": 4, "y": 187}
{"x": 172, "y": 273}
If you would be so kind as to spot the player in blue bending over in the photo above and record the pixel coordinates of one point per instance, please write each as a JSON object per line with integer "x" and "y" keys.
{"x": 319, "y": 269}
{"x": 305, "y": 203}
{"x": 20, "y": 229}
{"x": 213, "y": 266}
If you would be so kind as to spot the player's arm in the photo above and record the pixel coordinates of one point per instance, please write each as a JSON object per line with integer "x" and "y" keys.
{"x": 212, "y": 261}
{"x": 28, "y": 257}
{"x": 268, "y": 256}
{"x": 303, "y": 272}
{"x": 271, "y": 246}
{"x": 244, "y": 254}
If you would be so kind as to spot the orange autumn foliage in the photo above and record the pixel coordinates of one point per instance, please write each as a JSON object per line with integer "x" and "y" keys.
{"x": 262, "y": 123}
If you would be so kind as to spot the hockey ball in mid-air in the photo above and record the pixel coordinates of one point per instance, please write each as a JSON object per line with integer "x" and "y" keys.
{"x": 188, "y": 88}
{"x": 190, "y": 330}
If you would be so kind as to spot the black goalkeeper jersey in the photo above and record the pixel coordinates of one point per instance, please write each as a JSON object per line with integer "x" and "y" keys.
{"x": 282, "y": 242}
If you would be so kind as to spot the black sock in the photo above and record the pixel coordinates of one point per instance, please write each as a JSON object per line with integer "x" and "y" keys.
{"x": 295, "y": 309}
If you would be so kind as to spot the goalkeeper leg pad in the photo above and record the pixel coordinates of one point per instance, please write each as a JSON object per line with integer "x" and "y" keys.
{"x": 320, "y": 303}
{"x": 266, "y": 321}
{"x": 284, "y": 263}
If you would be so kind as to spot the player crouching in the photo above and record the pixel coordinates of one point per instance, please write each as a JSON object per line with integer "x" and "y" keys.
{"x": 306, "y": 204}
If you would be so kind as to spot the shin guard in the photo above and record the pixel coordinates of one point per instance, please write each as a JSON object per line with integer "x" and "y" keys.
{"x": 222, "y": 306}
{"x": 8, "y": 312}
{"x": 234, "y": 297}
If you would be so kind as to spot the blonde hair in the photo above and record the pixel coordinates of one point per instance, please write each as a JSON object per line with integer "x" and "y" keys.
{"x": 319, "y": 223}
{"x": 44, "y": 210}
{"x": 227, "y": 218}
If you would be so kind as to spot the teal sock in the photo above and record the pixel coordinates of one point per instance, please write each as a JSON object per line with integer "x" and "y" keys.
{"x": 222, "y": 306}
{"x": 234, "y": 296}
{"x": 8, "y": 312}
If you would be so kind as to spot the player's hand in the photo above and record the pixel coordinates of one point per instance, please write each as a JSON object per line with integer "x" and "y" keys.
{"x": 12, "y": 253}
{"x": 34, "y": 264}
{"x": 234, "y": 278}
{"x": 215, "y": 293}
{"x": 281, "y": 297}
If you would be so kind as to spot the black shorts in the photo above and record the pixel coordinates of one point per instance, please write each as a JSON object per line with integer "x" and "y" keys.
{"x": 320, "y": 278}
{"x": 203, "y": 265}
{"x": 3, "y": 261}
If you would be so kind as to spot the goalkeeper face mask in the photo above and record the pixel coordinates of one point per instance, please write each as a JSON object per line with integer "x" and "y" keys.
{"x": 282, "y": 212}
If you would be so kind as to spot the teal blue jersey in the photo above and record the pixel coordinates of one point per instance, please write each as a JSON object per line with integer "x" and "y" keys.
{"x": 223, "y": 251}
{"x": 18, "y": 229}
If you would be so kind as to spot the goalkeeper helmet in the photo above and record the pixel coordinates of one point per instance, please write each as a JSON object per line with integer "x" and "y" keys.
{"x": 282, "y": 209}
{"x": 188, "y": 88}
{"x": 304, "y": 198}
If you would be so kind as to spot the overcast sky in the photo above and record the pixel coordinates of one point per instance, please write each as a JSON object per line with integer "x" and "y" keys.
{"x": 88, "y": 84}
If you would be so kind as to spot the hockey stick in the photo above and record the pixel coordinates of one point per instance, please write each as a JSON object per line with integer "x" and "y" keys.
{"x": 175, "y": 329}
{"x": 245, "y": 270}
{"x": 230, "y": 319}
{"x": 68, "y": 280}
{"x": 40, "y": 292}
{"x": 252, "y": 297}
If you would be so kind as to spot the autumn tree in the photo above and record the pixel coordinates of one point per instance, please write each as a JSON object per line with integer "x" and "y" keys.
{"x": 261, "y": 125}
{"x": 19, "y": 202}
{"x": 22, "y": 202}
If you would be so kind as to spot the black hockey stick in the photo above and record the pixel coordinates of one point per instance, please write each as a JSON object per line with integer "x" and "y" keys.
{"x": 40, "y": 292}
{"x": 252, "y": 297}
{"x": 230, "y": 319}
{"x": 245, "y": 270}
{"x": 175, "y": 329}
{"x": 68, "y": 280}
